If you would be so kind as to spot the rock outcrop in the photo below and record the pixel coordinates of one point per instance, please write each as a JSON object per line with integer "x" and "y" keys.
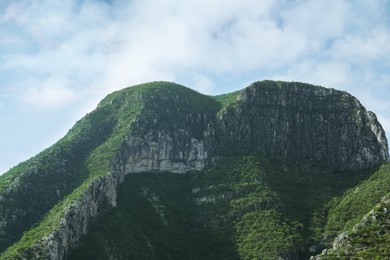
{"x": 96, "y": 199}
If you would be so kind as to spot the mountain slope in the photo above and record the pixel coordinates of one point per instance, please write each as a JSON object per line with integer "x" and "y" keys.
{"x": 245, "y": 207}
{"x": 361, "y": 220}
{"x": 155, "y": 127}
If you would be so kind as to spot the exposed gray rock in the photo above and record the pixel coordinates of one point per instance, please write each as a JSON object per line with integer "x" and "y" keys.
{"x": 302, "y": 122}
{"x": 167, "y": 153}
{"x": 99, "y": 197}
{"x": 294, "y": 121}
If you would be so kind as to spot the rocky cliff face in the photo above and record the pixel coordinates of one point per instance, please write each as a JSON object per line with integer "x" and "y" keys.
{"x": 302, "y": 122}
{"x": 293, "y": 121}
{"x": 180, "y": 150}
{"x": 183, "y": 132}
{"x": 99, "y": 196}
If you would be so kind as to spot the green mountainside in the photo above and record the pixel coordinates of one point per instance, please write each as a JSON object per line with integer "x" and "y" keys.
{"x": 158, "y": 171}
{"x": 247, "y": 207}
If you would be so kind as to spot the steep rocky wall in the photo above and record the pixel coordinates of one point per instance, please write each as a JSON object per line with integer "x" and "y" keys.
{"x": 98, "y": 198}
{"x": 179, "y": 150}
{"x": 301, "y": 122}
{"x": 165, "y": 154}
{"x": 294, "y": 121}
{"x": 185, "y": 144}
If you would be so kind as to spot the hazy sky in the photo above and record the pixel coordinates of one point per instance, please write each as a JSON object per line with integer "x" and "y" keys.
{"x": 59, "y": 58}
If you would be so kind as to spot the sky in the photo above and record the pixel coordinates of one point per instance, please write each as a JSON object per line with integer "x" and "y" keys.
{"x": 59, "y": 58}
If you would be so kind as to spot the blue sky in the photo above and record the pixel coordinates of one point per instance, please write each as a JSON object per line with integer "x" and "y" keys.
{"x": 59, "y": 58}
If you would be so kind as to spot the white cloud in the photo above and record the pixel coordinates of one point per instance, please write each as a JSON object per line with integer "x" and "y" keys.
{"x": 53, "y": 94}
{"x": 321, "y": 19}
{"x": 329, "y": 74}
{"x": 203, "y": 84}
{"x": 365, "y": 48}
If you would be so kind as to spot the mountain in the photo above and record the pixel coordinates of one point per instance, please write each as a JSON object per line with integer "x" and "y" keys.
{"x": 159, "y": 171}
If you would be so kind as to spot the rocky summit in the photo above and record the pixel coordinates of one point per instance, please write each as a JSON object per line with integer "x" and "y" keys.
{"x": 278, "y": 170}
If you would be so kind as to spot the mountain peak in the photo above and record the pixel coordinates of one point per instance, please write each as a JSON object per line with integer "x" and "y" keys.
{"x": 51, "y": 201}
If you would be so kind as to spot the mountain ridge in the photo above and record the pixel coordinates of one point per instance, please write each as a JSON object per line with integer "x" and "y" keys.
{"x": 163, "y": 126}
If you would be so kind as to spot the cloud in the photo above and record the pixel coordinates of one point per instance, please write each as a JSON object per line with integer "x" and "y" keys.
{"x": 333, "y": 74}
{"x": 317, "y": 21}
{"x": 54, "y": 94}
{"x": 366, "y": 48}
{"x": 203, "y": 84}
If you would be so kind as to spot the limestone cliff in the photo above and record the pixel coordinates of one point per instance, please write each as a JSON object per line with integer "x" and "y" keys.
{"x": 166, "y": 127}
{"x": 303, "y": 122}
{"x": 96, "y": 199}
{"x": 293, "y": 121}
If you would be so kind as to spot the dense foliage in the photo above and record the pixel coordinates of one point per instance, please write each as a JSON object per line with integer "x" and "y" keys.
{"x": 246, "y": 207}
{"x": 349, "y": 209}
{"x": 154, "y": 219}
{"x": 362, "y": 213}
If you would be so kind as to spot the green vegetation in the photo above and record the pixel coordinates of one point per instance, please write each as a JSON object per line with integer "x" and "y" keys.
{"x": 371, "y": 239}
{"x": 228, "y": 100}
{"x": 246, "y": 207}
{"x": 349, "y": 209}
{"x": 263, "y": 235}
{"x": 297, "y": 192}
{"x": 154, "y": 219}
